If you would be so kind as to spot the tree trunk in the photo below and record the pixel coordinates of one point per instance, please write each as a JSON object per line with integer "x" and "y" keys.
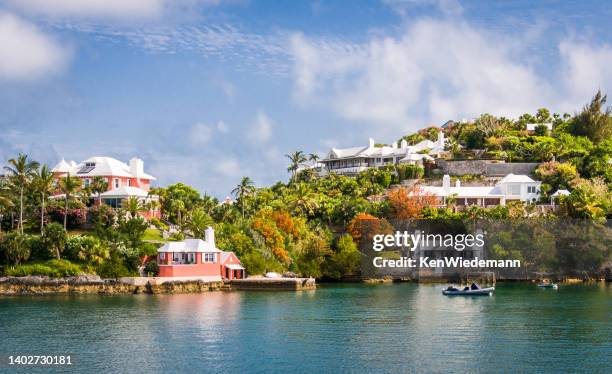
{"x": 66, "y": 213}
{"x": 42, "y": 215}
{"x": 21, "y": 210}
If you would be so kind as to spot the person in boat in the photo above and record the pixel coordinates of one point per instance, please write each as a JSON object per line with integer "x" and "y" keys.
{"x": 451, "y": 288}
{"x": 474, "y": 286}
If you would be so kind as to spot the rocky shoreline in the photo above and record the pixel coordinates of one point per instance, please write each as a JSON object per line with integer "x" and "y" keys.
{"x": 93, "y": 284}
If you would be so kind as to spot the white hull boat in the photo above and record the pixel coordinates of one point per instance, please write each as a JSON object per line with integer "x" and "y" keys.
{"x": 473, "y": 290}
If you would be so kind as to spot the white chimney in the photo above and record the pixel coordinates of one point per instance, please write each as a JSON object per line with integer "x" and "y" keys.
{"x": 403, "y": 143}
{"x": 136, "y": 167}
{"x": 458, "y": 183}
{"x": 394, "y": 145}
{"x": 446, "y": 183}
{"x": 371, "y": 142}
{"x": 441, "y": 139}
{"x": 209, "y": 236}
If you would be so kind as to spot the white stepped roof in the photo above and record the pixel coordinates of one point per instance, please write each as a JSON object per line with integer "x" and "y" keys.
{"x": 189, "y": 245}
{"x": 469, "y": 191}
{"x": 103, "y": 166}
{"x": 561, "y": 193}
{"x": 514, "y": 178}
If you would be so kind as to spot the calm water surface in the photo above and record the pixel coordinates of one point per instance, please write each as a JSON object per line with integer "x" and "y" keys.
{"x": 350, "y": 328}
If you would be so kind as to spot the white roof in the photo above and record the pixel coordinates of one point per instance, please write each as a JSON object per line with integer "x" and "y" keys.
{"x": 189, "y": 245}
{"x": 234, "y": 267}
{"x": 514, "y": 178}
{"x": 125, "y": 191}
{"x": 434, "y": 147}
{"x": 416, "y": 157}
{"x": 561, "y": 193}
{"x": 484, "y": 191}
{"x": 103, "y": 166}
{"x": 532, "y": 126}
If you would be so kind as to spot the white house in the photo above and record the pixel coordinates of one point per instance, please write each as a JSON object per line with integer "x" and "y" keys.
{"x": 510, "y": 188}
{"x": 532, "y": 126}
{"x": 351, "y": 161}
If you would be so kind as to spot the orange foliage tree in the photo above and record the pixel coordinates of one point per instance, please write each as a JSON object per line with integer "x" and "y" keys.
{"x": 365, "y": 226}
{"x": 272, "y": 237}
{"x": 409, "y": 202}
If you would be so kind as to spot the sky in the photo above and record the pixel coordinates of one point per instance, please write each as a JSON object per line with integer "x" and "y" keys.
{"x": 209, "y": 91}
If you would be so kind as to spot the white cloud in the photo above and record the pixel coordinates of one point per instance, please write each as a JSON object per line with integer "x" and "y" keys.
{"x": 586, "y": 68}
{"x": 26, "y": 53}
{"x": 92, "y": 8}
{"x": 200, "y": 134}
{"x": 438, "y": 70}
{"x": 228, "y": 167}
{"x": 261, "y": 128}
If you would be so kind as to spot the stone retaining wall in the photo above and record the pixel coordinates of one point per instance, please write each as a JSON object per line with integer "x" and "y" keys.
{"x": 490, "y": 168}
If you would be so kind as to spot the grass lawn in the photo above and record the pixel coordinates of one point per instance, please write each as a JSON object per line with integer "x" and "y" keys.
{"x": 153, "y": 235}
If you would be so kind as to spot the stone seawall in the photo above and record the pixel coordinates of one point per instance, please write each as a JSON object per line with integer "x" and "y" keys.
{"x": 91, "y": 284}
{"x": 295, "y": 284}
{"x": 37, "y": 285}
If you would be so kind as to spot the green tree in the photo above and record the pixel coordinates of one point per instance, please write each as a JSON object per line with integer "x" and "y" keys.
{"x": 242, "y": 191}
{"x": 44, "y": 182}
{"x": 198, "y": 222}
{"x": 21, "y": 171}
{"x": 98, "y": 185}
{"x": 54, "y": 238}
{"x": 595, "y": 121}
{"x": 296, "y": 159}
{"x": 132, "y": 206}
{"x": 69, "y": 186}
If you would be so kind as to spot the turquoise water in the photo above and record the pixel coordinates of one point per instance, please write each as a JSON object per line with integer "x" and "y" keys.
{"x": 349, "y": 328}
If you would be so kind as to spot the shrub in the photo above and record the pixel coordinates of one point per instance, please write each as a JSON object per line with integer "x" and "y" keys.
{"x": 76, "y": 216}
{"x": 15, "y": 248}
{"x": 88, "y": 249}
{"x": 114, "y": 268}
{"x": 52, "y": 268}
{"x": 151, "y": 269}
{"x": 158, "y": 223}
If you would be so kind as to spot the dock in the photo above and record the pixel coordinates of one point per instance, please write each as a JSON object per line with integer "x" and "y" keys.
{"x": 273, "y": 284}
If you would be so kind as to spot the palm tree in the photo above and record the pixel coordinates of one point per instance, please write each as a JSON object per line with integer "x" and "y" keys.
{"x": 296, "y": 159}
{"x": 314, "y": 158}
{"x": 198, "y": 222}
{"x": 21, "y": 171}
{"x": 5, "y": 201}
{"x": 43, "y": 184}
{"x": 69, "y": 186}
{"x": 241, "y": 191}
{"x": 98, "y": 185}
{"x": 133, "y": 206}
{"x": 304, "y": 200}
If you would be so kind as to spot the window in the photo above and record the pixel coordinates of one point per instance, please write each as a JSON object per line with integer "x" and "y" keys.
{"x": 116, "y": 182}
{"x": 86, "y": 182}
{"x": 162, "y": 256}
{"x": 129, "y": 182}
{"x": 514, "y": 189}
{"x": 531, "y": 189}
{"x": 209, "y": 257}
{"x": 175, "y": 257}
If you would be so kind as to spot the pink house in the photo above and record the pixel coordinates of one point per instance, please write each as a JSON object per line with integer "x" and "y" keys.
{"x": 124, "y": 180}
{"x": 198, "y": 258}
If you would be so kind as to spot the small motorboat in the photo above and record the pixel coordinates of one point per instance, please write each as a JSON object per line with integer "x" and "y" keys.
{"x": 472, "y": 290}
{"x": 547, "y": 283}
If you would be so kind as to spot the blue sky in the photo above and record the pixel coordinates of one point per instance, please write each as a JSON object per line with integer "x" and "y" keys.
{"x": 209, "y": 91}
